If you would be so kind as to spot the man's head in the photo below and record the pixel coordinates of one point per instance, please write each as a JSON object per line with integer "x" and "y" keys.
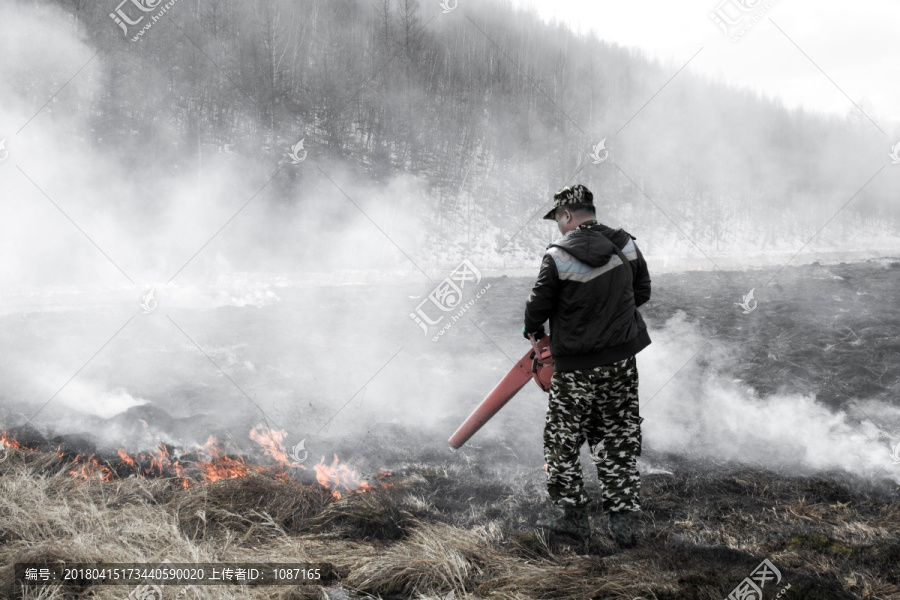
{"x": 572, "y": 206}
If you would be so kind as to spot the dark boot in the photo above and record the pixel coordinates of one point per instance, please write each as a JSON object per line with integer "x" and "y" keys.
{"x": 621, "y": 527}
{"x": 574, "y": 522}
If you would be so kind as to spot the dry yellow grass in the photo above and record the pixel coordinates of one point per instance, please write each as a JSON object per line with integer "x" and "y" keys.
{"x": 437, "y": 530}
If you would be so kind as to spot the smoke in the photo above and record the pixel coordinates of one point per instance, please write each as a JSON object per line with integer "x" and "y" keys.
{"x": 82, "y": 214}
{"x": 88, "y": 234}
{"x": 289, "y": 302}
{"x": 694, "y": 407}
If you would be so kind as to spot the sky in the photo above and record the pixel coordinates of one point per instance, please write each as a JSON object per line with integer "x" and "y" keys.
{"x": 810, "y": 54}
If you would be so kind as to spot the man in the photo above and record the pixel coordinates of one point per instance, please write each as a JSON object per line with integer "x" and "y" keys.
{"x": 589, "y": 287}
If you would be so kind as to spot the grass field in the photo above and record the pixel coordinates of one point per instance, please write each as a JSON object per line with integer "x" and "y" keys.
{"x": 424, "y": 523}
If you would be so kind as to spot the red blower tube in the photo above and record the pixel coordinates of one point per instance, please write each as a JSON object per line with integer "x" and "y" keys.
{"x": 537, "y": 364}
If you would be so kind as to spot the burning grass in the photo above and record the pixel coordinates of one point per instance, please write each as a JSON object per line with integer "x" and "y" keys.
{"x": 410, "y": 535}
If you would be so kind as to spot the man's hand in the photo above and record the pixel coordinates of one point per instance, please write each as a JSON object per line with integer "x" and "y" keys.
{"x": 537, "y": 334}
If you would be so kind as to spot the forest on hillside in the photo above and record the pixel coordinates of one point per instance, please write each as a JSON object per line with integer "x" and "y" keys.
{"x": 489, "y": 108}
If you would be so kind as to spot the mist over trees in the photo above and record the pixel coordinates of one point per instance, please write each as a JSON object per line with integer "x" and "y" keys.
{"x": 492, "y": 109}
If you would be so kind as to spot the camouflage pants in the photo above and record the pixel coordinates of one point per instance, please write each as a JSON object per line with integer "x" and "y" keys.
{"x": 598, "y": 406}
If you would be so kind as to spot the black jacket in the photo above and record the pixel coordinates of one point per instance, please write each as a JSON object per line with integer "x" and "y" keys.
{"x": 586, "y": 292}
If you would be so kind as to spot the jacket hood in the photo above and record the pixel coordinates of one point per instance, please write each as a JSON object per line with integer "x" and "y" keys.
{"x": 591, "y": 245}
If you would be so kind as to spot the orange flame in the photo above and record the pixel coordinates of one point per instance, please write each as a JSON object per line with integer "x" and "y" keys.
{"x": 339, "y": 477}
{"x": 160, "y": 459}
{"x": 89, "y": 468}
{"x": 217, "y": 465}
{"x": 9, "y": 442}
{"x": 127, "y": 459}
{"x": 223, "y": 467}
{"x": 271, "y": 442}
{"x": 220, "y": 465}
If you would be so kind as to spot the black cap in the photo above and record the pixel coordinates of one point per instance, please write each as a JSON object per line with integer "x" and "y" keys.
{"x": 577, "y": 194}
